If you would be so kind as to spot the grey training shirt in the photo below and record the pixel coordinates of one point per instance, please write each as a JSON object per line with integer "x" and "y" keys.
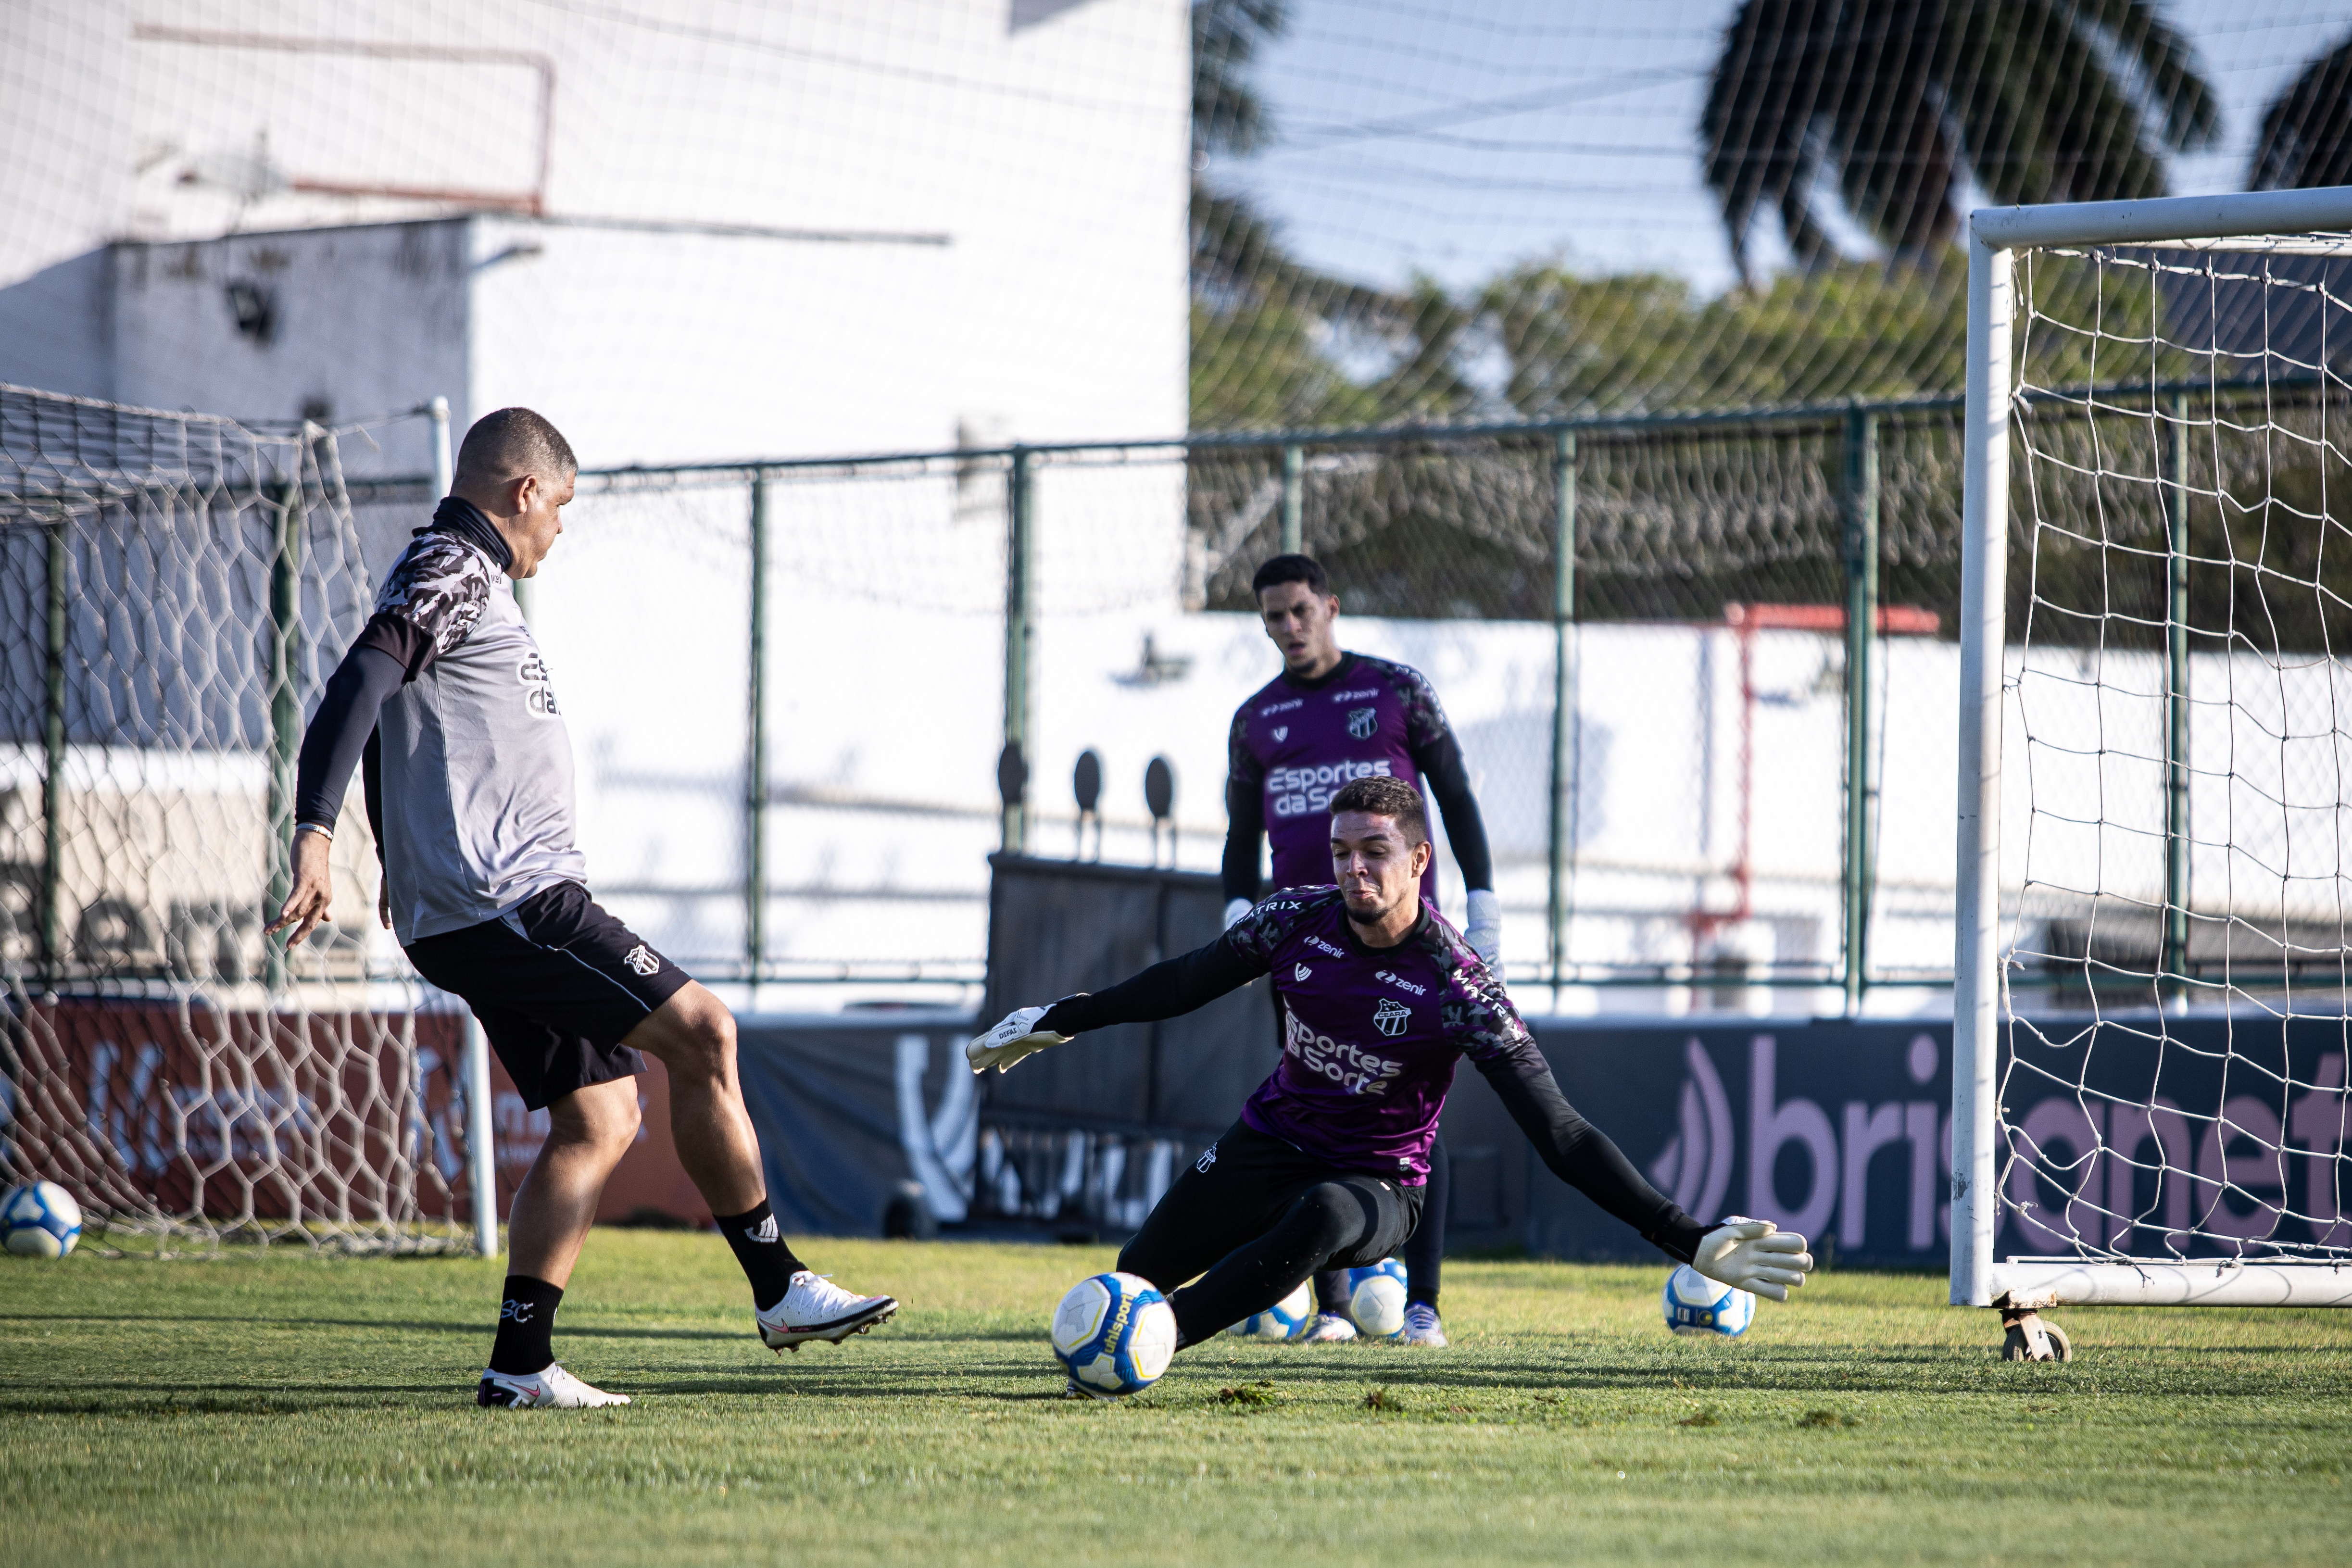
{"x": 476, "y": 763}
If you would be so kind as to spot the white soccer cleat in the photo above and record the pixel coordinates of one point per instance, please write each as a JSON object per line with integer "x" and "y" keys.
{"x": 549, "y": 1388}
{"x": 816, "y": 1308}
{"x": 1329, "y": 1328}
{"x": 1421, "y": 1327}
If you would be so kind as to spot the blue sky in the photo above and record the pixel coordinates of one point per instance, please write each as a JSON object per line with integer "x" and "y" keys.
{"x": 1457, "y": 138}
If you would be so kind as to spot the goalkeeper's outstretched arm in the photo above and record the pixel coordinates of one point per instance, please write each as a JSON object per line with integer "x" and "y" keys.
{"x": 1747, "y": 1254}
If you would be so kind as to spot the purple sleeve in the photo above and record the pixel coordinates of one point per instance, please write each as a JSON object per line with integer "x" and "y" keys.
{"x": 1424, "y": 720}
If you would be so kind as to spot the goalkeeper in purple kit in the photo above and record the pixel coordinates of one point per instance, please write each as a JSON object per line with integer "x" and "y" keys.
{"x": 1330, "y": 717}
{"x": 1327, "y": 1166}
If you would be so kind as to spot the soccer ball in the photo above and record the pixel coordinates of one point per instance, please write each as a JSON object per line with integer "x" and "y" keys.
{"x": 40, "y": 1219}
{"x": 1376, "y": 1299}
{"x": 1116, "y": 1333}
{"x": 1697, "y": 1305}
{"x": 1281, "y": 1320}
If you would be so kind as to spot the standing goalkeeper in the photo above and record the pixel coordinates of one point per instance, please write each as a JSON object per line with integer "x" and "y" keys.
{"x": 1330, "y": 717}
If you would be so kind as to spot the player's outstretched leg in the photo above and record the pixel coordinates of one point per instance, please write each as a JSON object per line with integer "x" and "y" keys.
{"x": 588, "y": 1132}
{"x": 693, "y": 1036}
{"x": 1345, "y": 1219}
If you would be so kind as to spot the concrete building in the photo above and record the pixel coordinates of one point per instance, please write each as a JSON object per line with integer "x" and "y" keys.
{"x": 709, "y": 230}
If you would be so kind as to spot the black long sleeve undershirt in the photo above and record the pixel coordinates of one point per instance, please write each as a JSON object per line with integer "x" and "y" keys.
{"x": 1245, "y": 831}
{"x": 1576, "y": 1151}
{"x": 340, "y": 731}
{"x": 1587, "y": 1159}
{"x": 1446, "y": 779}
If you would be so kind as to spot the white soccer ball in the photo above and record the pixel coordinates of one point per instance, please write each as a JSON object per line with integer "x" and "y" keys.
{"x": 40, "y": 1219}
{"x": 1115, "y": 1333}
{"x": 1699, "y": 1306}
{"x": 1376, "y": 1299}
{"x": 1281, "y": 1320}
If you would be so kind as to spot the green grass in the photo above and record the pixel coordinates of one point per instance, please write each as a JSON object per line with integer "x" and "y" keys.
{"x": 257, "y": 1410}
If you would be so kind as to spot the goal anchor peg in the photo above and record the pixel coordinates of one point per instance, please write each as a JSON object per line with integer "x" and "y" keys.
{"x": 2028, "y": 1338}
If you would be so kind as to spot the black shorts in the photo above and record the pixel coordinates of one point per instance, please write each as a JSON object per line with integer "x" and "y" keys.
{"x": 558, "y": 984}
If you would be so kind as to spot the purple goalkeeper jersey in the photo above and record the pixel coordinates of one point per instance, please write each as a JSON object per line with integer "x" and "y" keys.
{"x": 1369, "y": 1035}
{"x": 1298, "y": 742}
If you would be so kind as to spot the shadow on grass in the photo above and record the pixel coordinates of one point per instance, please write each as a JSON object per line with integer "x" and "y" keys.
{"x": 478, "y": 1327}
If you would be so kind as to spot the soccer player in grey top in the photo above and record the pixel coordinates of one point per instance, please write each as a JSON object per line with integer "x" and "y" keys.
{"x": 469, "y": 772}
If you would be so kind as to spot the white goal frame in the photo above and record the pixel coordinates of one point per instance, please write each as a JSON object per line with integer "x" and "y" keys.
{"x": 1995, "y": 234}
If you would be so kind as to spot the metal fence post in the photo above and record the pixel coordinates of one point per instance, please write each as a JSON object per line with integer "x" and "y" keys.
{"x": 2174, "y": 963}
{"x": 1017, "y": 629}
{"x": 1860, "y": 653}
{"x": 53, "y": 761}
{"x": 755, "y": 796}
{"x": 1294, "y": 499}
{"x": 285, "y": 704}
{"x": 1563, "y": 830}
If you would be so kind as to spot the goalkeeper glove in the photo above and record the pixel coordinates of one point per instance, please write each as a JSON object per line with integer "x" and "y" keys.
{"x": 1235, "y": 909}
{"x": 1750, "y": 1255}
{"x": 1484, "y": 930}
{"x": 1009, "y": 1041}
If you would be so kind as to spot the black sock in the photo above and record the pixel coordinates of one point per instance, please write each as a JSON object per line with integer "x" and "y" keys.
{"x": 1331, "y": 1291}
{"x": 767, "y": 1262}
{"x": 525, "y": 1326}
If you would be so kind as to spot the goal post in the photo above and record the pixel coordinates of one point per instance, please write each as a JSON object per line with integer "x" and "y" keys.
{"x": 2153, "y": 972}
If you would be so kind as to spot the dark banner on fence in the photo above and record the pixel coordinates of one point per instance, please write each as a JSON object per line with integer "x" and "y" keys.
{"x": 2229, "y": 1129}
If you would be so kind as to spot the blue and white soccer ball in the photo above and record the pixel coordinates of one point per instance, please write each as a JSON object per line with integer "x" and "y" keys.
{"x": 1697, "y": 1305}
{"x": 1376, "y": 1299}
{"x": 40, "y": 1219}
{"x": 1116, "y": 1333}
{"x": 1281, "y": 1320}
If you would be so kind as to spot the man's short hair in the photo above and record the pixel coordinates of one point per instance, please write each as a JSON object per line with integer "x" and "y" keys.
{"x": 1380, "y": 796}
{"x": 513, "y": 442}
{"x": 1303, "y": 569}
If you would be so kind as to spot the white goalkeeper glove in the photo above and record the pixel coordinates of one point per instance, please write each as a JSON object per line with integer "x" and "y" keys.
{"x": 1750, "y": 1255}
{"x": 1235, "y": 909}
{"x": 1484, "y": 929}
{"x": 1009, "y": 1041}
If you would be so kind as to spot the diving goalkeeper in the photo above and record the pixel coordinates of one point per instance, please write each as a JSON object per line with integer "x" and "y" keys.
{"x": 1326, "y": 1165}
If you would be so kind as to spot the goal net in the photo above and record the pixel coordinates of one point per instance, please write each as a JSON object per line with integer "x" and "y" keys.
{"x": 2155, "y": 941}
{"x": 174, "y": 590}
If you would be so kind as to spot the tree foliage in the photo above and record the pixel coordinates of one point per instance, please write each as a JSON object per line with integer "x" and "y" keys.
{"x": 1895, "y": 104}
{"x": 2306, "y": 133}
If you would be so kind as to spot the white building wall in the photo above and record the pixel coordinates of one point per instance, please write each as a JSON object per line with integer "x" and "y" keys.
{"x": 771, "y": 229}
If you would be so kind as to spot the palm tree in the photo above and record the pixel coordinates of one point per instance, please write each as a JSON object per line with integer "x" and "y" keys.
{"x": 1898, "y": 103}
{"x": 2306, "y": 136}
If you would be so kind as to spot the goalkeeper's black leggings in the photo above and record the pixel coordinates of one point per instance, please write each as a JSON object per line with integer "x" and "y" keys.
{"x": 1253, "y": 1218}
{"x": 1424, "y": 1251}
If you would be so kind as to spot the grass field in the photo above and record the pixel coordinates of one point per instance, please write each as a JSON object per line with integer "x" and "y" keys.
{"x": 283, "y": 1409}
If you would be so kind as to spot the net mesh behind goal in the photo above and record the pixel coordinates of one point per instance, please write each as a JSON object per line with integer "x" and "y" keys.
{"x": 173, "y": 589}
{"x": 2179, "y": 736}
